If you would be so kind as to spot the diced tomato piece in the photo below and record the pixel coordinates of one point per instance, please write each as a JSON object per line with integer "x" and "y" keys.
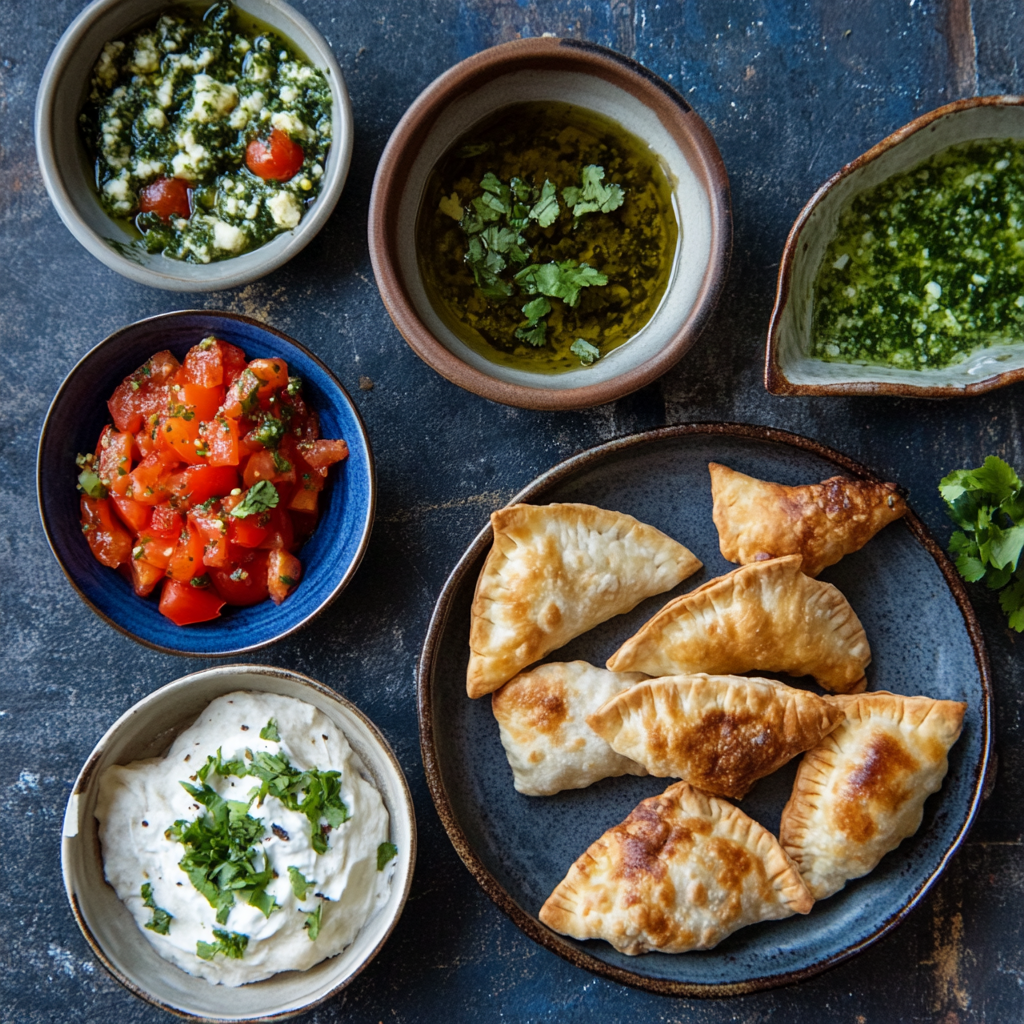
{"x": 114, "y": 452}
{"x": 304, "y": 500}
{"x": 221, "y": 436}
{"x": 179, "y": 435}
{"x": 242, "y": 396}
{"x": 131, "y": 513}
{"x": 143, "y": 393}
{"x": 197, "y": 484}
{"x": 259, "y": 467}
{"x": 234, "y": 362}
{"x": 284, "y": 571}
{"x": 108, "y": 539}
{"x": 166, "y": 521}
{"x": 145, "y": 577}
{"x": 167, "y": 198}
{"x": 249, "y": 532}
{"x": 282, "y": 534}
{"x": 208, "y": 363}
{"x": 187, "y": 558}
{"x": 272, "y": 372}
{"x": 151, "y": 478}
{"x": 321, "y": 454}
{"x": 149, "y": 547}
{"x": 244, "y": 581}
{"x": 214, "y": 531}
{"x": 279, "y": 158}
{"x": 184, "y": 604}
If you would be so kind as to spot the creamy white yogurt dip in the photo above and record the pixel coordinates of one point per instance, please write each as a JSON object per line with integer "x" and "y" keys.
{"x": 269, "y": 927}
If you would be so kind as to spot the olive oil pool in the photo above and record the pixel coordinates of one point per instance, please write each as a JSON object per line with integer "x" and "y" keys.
{"x": 547, "y": 236}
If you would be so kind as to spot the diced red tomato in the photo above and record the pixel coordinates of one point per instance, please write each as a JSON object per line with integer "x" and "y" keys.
{"x": 202, "y": 401}
{"x": 272, "y": 372}
{"x": 145, "y": 577}
{"x": 281, "y": 533}
{"x": 284, "y": 571}
{"x": 114, "y": 453}
{"x": 249, "y": 532}
{"x": 221, "y": 436}
{"x": 279, "y": 158}
{"x": 108, "y": 539}
{"x": 187, "y": 558}
{"x": 142, "y": 393}
{"x": 244, "y": 581}
{"x": 151, "y": 478}
{"x": 167, "y": 198}
{"x": 321, "y": 454}
{"x": 166, "y": 521}
{"x": 155, "y": 550}
{"x": 184, "y": 604}
{"x": 214, "y": 531}
{"x": 131, "y": 513}
{"x": 242, "y": 397}
{"x": 181, "y": 436}
{"x": 197, "y": 484}
{"x": 263, "y": 466}
{"x": 211, "y": 365}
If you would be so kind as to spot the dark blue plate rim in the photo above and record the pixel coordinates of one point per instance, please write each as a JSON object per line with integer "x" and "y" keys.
{"x": 525, "y": 921}
{"x": 364, "y": 539}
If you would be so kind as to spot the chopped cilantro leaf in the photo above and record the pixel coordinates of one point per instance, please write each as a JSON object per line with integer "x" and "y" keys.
{"x": 386, "y": 852}
{"x": 260, "y": 497}
{"x": 300, "y": 884}
{"x": 563, "y": 280}
{"x": 269, "y": 432}
{"x": 91, "y": 483}
{"x": 231, "y": 944}
{"x": 592, "y": 195}
{"x": 312, "y": 924}
{"x": 587, "y": 353}
{"x": 545, "y": 210}
{"x": 269, "y": 732}
{"x": 160, "y": 922}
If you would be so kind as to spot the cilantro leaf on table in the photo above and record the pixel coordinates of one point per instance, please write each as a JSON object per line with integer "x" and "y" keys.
{"x": 231, "y": 944}
{"x": 260, "y": 497}
{"x": 987, "y": 504}
{"x": 160, "y": 922}
{"x": 592, "y": 195}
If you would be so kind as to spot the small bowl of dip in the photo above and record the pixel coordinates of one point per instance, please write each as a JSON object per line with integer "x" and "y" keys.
{"x": 127, "y": 826}
{"x": 145, "y": 122}
{"x": 550, "y": 225}
{"x": 904, "y": 273}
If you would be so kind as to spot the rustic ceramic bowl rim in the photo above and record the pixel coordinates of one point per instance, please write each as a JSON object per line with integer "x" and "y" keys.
{"x": 775, "y": 379}
{"x": 84, "y": 780}
{"x": 364, "y": 540}
{"x": 426, "y": 110}
{"x": 221, "y": 273}
{"x": 527, "y": 922}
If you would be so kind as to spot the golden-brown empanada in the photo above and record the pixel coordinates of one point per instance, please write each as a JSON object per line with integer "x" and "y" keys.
{"x": 766, "y": 616}
{"x": 861, "y": 792}
{"x": 719, "y": 733}
{"x": 542, "y": 715}
{"x": 757, "y": 519}
{"x": 556, "y": 571}
{"x": 682, "y": 872}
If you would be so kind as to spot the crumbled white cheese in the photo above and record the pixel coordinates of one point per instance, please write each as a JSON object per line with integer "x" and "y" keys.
{"x": 285, "y": 209}
{"x": 934, "y": 289}
{"x": 254, "y": 103}
{"x": 106, "y": 69}
{"x": 165, "y": 92}
{"x": 146, "y": 58}
{"x": 228, "y": 238}
{"x": 154, "y": 117}
{"x": 146, "y": 169}
{"x": 187, "y": 164}
{"x": 212, "y": 99}
{"x": 288, "y": 123}
{"x": 257, "y": 71}
{"x": 288, "y": 94}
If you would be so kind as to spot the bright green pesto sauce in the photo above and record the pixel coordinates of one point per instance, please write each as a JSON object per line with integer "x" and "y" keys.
{"x": 928, "y": 266}
{"x": 183, "y": 97}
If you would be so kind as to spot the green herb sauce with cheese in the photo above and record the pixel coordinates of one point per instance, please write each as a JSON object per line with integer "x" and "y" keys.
{"x": 183, "y": 97}
{"x": 928, "y": 266}
{"x": 546, "y": 237}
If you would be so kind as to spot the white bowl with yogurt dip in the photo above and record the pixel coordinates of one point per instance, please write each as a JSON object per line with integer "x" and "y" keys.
{"x": 150, "y": 729}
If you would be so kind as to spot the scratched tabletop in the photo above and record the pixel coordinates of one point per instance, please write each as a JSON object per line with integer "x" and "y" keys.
{"x": 791, "y": 92}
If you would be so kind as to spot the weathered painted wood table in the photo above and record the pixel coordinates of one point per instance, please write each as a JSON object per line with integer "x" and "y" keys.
{"x": 792, "y": 90}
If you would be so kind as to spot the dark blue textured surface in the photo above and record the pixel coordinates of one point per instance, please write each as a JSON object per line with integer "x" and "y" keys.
{"x": 79, "y": 413}
{"x": 791, "y": 89}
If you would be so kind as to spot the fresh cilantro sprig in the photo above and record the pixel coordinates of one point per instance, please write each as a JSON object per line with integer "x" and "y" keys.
{"x": 231, "y": 944}
{"x": 386, "y": 852}
{"x": 300, "y": 883}
{"x": 269, "y": 731}
{"x": 160, "y": 922}
{"x": 987, "y": 504}
{"x": 592, "y": 195}
{"x": 259, "y": 498}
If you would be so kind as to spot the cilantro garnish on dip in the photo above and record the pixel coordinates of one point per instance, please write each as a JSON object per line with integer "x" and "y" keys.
{"x": 255, "y": 846}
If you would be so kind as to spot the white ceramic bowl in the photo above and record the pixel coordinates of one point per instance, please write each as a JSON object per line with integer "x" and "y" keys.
{"x": 68, "y": 173}
{"x": 147, "y": 730}
{"x": 789, "y": 369}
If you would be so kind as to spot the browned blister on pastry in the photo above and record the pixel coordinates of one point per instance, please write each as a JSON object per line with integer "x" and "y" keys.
{"x": 757, "y": 519}
{"x": 861, "y": 791}
{"x": 682, "y": 872}
{"x": 766, "y": 617}
{"x": 719, "y": 733}
{"x": 556, "y": 571}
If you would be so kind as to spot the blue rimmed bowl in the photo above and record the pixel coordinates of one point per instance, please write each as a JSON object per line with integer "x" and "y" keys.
{"x": 73, "y": 423}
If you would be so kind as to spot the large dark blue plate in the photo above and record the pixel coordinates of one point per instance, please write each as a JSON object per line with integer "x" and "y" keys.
{"x": 79, "y": 412}
{"x": 519, "y": 848}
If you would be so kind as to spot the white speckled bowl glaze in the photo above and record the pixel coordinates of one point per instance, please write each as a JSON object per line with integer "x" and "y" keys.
{"x": 68, "y": 173}
{"x": 147, "y": 730}
{"x": 597, "y": 79}
{"x": 789, "y": 368}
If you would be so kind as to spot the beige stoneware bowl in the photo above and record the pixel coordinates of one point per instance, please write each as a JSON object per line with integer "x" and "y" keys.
{"x": 68, "y": 173}
{"x": 147, "y": 730}
{"x": 789, "y": 369}
{"x": 598, "y": 79}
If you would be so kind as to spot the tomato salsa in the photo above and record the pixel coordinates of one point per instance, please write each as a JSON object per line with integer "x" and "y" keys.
{"x": 207, "y": 482}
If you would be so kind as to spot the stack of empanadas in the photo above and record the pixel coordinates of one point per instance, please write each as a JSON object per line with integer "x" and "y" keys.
{"x": 687, "y": 868}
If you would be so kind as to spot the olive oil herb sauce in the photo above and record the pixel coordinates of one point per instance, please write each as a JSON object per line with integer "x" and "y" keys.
{"x": 546, "y": 237}
{"x": 928, "y": 266}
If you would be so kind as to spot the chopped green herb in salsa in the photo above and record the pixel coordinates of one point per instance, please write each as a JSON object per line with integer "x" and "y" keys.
{"x": 928, "y": 266}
